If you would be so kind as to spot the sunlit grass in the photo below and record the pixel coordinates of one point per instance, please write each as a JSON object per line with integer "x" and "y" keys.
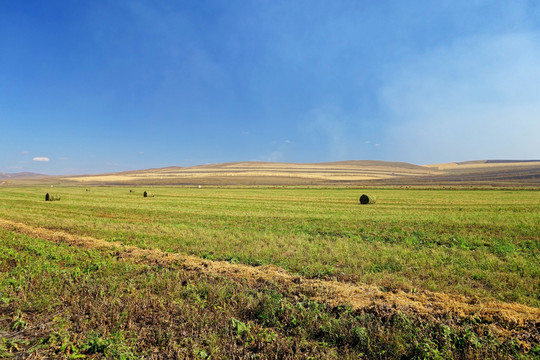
{"x": 471, "y": 242}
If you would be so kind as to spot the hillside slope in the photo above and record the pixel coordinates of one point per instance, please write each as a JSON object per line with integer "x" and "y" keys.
{"x": 342, "y": 173}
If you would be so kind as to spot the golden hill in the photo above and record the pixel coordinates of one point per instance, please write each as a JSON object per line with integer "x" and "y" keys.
{"x": 485, "y": 172}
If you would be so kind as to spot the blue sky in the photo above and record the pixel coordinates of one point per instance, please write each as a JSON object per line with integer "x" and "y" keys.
{"x": 102, "y": 86}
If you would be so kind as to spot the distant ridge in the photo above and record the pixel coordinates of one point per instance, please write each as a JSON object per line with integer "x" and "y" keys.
{"x": 509, "y": 161}
{"x": 375, "y": 163}
{"x": 21, "y": 175}
{"x": 496, "y": 162}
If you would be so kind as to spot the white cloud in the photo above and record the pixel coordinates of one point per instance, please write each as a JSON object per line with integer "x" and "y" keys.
{"x": 41, "y": 159}
{"x": 475, "y": 99}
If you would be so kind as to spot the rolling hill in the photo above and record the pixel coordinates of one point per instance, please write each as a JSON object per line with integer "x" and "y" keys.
{"x": 340, "y": 173}
{"x": 20, "y": 175}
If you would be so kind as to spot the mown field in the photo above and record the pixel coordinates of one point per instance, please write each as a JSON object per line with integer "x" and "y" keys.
{"x": 483, "y": 244}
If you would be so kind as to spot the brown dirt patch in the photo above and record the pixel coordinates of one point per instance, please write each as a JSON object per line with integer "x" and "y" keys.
{"x": 507, "y": 320}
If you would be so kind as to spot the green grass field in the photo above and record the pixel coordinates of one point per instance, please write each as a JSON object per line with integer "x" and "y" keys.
{"x": 483, "y": 243}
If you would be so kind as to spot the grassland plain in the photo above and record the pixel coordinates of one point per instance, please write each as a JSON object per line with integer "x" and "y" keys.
{"x": 474, "y": 243}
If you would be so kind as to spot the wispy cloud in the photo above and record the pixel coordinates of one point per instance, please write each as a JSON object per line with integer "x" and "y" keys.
{"x": 327, "y": 125}
{"x": 275, "y": 156}
{"x": 477, "y": 98}
{"x": 41, "y": 159}
{"x": 280, "y": 152}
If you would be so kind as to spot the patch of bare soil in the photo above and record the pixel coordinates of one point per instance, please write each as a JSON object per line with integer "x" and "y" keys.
{"x": 506, "y": 320}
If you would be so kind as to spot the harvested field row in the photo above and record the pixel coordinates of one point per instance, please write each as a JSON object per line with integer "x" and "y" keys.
{"x": 366, "y": 172}
{"x": 506, "y": 321}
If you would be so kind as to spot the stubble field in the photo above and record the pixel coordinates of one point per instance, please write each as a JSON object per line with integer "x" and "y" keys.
{"x": 399, "y": 258}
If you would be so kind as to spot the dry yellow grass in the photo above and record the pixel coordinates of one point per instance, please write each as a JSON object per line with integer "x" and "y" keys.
{"x": 482, "y": 165}
{"x": 101, "y": 178}
{"x": 345, "y": 171}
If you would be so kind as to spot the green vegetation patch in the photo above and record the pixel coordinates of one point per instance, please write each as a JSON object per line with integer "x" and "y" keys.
{"x": 63, "y": 302}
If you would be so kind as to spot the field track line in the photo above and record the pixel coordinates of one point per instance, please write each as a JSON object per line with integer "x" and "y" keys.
{"x": 508, "y": 320}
